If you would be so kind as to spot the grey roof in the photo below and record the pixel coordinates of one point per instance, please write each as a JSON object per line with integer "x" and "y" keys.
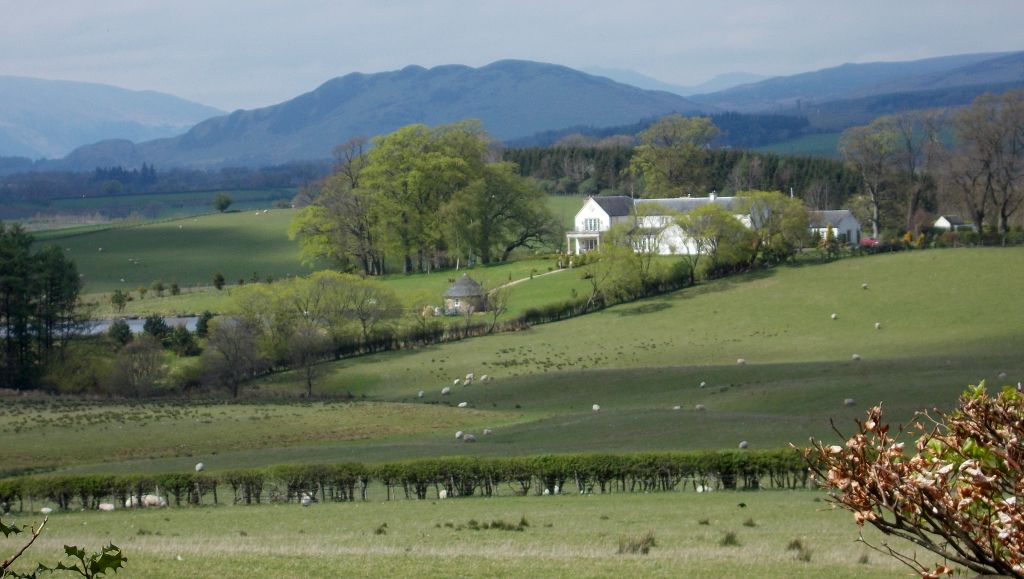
{"x": 464, "y": 287}
{"x": 822, "y": 219}
{"x": 953, "y": 219}
{"x": 687, "y": 204}
{"x": 615, "y": 205}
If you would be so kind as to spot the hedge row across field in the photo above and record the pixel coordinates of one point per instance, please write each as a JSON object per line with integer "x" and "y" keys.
{"x": 422, "y": 479}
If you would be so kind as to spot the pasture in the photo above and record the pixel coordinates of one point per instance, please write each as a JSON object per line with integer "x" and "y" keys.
{"x": 949, "y": 319}
{"x": 564, "y": 535}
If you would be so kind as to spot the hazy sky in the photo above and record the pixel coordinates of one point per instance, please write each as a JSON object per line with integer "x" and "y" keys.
{"x": 254, "y": 53}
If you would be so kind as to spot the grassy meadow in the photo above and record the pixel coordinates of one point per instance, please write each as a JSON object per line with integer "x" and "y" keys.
{"x": 566, "y": 536}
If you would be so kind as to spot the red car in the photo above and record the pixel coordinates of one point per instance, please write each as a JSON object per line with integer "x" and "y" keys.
{"x": 868, "y": 242}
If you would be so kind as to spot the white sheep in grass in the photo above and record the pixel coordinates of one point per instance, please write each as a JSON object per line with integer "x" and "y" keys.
{"x": 677, "y": 408}
{"x": 744, "y": 445}
{"x": 200, "y": 466}
{"x": 849, "y": 402}
{"x": 703, "y": 384}
{"x": 557, "y": 491}
{"x": 463, "y": 404}
{"x": 878, "y": 325}
{"x": 106, "y": 507}
{"x": 46, "y": 510}
{"x": 488, "y": 432}
{"x": 446, "y": 391}
{"x": 470, "y": 377}
{"x": 546, "y": 492}
{"x": 864, "y": 286}
{"x": 306, "y": 499}
{"x": 856, "y": 357}
{"x": 469, "y": 438}
{"x": 596, "y": 408}
{"x": 741, "y": 361}
{"x": 146, "y": 502}
{"x": 420, "y": 395}
{"x": 1001, "y": 375}
{"x": 456, "y": 382}
{"x": 700, "y": 408}
{"x": 459, "y": 435}
{"x": 835, "y": 316}
{"x": 485, "y": 378}
{"x": 442, "y": 494}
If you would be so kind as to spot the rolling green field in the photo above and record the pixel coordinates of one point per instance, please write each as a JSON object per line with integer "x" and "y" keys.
{"x": 949, "y": 318}
{"x": 566, "y": 536}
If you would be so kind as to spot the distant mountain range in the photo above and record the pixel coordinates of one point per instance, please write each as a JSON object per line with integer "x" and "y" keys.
{"x": 719, "y": 82}
{"x": 512, "y": 98}
{"x": 517, "y": 101}
{"x": 49, "y": 118}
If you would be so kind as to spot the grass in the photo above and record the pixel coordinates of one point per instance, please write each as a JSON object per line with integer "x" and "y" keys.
{"x": 566, "y": 536}
{"x": 949, "y": 319}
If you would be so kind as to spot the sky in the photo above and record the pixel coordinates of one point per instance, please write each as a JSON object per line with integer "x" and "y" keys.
{"x": 255, "y": 53}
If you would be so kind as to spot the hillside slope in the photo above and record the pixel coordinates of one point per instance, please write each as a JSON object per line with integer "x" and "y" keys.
{"x": 49, "y": 118}
{"x": 512, "y": 98}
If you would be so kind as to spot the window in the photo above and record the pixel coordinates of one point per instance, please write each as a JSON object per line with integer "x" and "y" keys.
{"x": 591, "y": 224}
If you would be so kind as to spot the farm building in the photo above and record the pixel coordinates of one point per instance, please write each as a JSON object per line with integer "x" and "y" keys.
{"x": 464, "y": 296}
{"x": 843, "y": 224}
{"x": 599, "y": 214}
{"x": 952, "y": 223}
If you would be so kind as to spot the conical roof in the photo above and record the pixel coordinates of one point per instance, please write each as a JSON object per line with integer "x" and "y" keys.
{"x": 464, "y": 287}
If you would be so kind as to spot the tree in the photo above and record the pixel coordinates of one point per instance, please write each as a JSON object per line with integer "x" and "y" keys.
{"x": 373, "y": 306}
{"x": 953, "y": 492}
{"x": 119, "y": 300}
{"x": 615, "y": 270}
{"x": 872, "y": 152}
{"x": 156, "y": 327}
{"x": 218, "y": 281}
{"x": 222, "y": 201}
{"x": 182, "y": 342}
{"x": 158, "y": 288}
{"x": 987, "y": 167}
{"x": 138, "y": 367}
{"x": 779, "y": 224}
{"x": 671, "y": 154}
{"x": 497, "y": 304}
{"x": 232, "y": 353}
{"x": 306, "y": 349}
{"x": 120, "y": 332}
{"x": 715, "y": 236}
{"x": 203, "y": 323}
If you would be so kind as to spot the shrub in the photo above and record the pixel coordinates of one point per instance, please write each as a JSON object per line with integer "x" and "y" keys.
{"x": 729, "y": 540}
{"x": 120, "y": 332}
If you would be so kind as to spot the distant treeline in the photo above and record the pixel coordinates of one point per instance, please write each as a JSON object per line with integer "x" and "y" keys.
{"x": 571, "y": 170}
{"x": 34, "y": 185}
{"x": 738, "y": 130}
{"x": 425, "y": 478}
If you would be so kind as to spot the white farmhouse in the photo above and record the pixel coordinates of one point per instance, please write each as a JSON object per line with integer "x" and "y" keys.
{"x": 844, "y": 225}
{"x": 601, "y": 213}
{"x": 952, "y": 223}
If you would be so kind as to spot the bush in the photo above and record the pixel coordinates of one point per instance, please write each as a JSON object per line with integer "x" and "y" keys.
{"x": 120, "y": 332}
{"x": 156, "y": 327}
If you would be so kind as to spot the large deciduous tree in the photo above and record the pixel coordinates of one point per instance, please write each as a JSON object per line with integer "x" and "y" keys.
{"x": 671, "y": 154}
{"x": 779, "y": 224}
{"x": 872, "y": 151}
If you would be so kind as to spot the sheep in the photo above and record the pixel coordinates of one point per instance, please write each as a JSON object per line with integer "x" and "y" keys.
{"x": 835, "y": 316}
{"x": 459, "y": 435}
{"x": 488, "y": 432}
{"x": 456, "y": 382}
{"x": 557, "y": 490}
{"x": 306, "y": 499}
{"x": 200, "y": 466}
{"x": 46, "y": 510}
{"x": 546, "y": 492}
{"x": 705, "y": 488}
{"x": 446, "y": 391}
{"x": 856, "y": 357}
{"x": 744, "y": 445}
{"x": 420, "y": 395}
{"x": 469, "y": 438}
{"x": 463, "y": 404}
{"x": 849, "y": 402}
{"x": 1001, "y": 375}
{"x": 741, "y": 361}
{"x": 878, "y": 325}
{"x": 470, "y": 377}
{"x": 442, "y": 494}
{"x": 485, "y": 378}
{"x": 596, "y": 408}
{"x": 677, "y": 408}
{"x": 703, "y": 384}
{"x": 106, "y": 507}
{"x": 700, "y": 408}
{"x": 864, "y": 285}
{"x": 147, "y": 501}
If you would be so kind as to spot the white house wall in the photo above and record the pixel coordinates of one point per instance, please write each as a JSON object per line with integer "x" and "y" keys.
{"x": 591, "y": 210}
